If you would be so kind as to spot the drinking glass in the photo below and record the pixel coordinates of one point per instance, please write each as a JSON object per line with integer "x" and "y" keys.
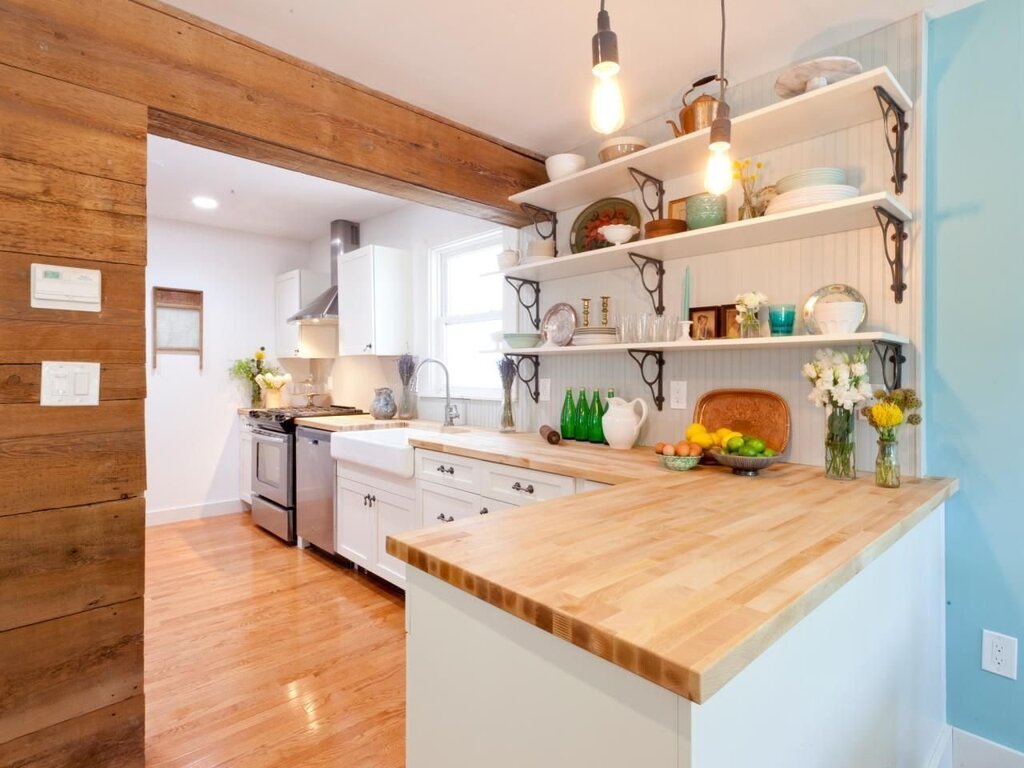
{"x": 670, "y": 331}
{"x": 657, "y": 331}
{"x": 643, "y": 327}
{"x": 781, "y": 317}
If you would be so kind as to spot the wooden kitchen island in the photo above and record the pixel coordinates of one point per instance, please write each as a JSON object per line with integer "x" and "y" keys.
{"x": 682, "y": 620}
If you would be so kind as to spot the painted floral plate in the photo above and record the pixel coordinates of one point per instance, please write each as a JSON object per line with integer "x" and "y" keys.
{"x": 612, "y": 210}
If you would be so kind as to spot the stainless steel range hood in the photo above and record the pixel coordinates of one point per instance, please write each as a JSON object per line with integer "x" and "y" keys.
{"x": 323, "y": 310}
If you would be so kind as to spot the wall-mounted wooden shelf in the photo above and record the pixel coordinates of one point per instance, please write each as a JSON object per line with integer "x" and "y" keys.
{"x": 826, "y": 219}
{"x": 841, "y": 105}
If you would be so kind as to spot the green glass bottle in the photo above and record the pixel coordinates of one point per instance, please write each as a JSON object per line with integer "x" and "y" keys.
{"x": 568, "y": 416}
{"x": 582, "y": 425}
{"x": 611, "y": 394}
{"x": 595, "y": 432}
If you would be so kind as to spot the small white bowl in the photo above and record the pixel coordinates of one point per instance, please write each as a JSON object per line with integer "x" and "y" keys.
{"x": 617, "y": 234}
{"x": 620, "y": 146}
{"x": 566, "y": 164}
{"x": 508, "y": 258}
{"x": 839, "y": 317}
{"x": 540, "y": 249}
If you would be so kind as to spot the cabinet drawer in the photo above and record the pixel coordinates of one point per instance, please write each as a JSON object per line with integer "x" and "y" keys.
{"x": 524, "y": 486}
{"x": 440, "y": 504}
{"x": 582, "y": 486}
{"x": 450, "y": 471}
{"x": 491, "y": 506}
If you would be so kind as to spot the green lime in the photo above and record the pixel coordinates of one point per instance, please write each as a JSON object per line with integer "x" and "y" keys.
{"x": 747, "y": 451}
{"x": 734, "y": 444}
{"x": 757, "y": 444}
{"x": 769, "y": 452}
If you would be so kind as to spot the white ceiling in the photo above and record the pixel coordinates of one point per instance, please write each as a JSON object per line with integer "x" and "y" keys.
{"x": 253, "y": 197}
{"x": 520, "y": 69}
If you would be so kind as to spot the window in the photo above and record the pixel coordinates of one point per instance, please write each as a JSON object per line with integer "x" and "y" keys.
{"x": 466, "y": 310}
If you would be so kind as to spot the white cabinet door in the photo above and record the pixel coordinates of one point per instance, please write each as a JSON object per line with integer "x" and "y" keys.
{"x": 395, "y": 515}
{"x": 392, "y": 302}
{"x": 356, "y": 523}
{"x": 438, "y": 504}
{"x": 355, "y": 303}
{"x": 245, "y": 461}
{"x": 287, "y": 301}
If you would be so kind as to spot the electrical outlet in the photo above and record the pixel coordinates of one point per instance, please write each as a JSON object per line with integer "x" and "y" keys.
{"x": 545, "y": 390}
{"x": 999, "y": 654}
{"x": 677, "y": 395}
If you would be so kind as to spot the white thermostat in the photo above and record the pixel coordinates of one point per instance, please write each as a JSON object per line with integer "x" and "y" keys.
{"x": 70, "y": 383}
{"x": 66, "y": 288}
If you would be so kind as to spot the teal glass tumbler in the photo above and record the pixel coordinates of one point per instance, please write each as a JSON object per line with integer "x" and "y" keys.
{"x": 781, "y": 318}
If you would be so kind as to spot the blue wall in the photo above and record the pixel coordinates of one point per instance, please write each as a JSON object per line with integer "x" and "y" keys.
{"x": 975, "y": 344}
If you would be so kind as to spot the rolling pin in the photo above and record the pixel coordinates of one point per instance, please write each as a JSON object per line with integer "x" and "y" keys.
{"x": 551, "y": 435}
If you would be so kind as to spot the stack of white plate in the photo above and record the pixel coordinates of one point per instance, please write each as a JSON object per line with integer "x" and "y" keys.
{"x": 812, "y": 177}
{"x": 594, "y": 335}
{"x": 808, "y": 196}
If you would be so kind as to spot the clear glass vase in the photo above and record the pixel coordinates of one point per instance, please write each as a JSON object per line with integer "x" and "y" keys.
{"x": 508, "y": 422}
{"x": 407, "y": 403}
{"x": 747, "y": 209}
{"x": 255, "y": 395}
{"x": 750, "y": 325}
{"x": 887, "y": 464}
{"x": 840, "y": 449}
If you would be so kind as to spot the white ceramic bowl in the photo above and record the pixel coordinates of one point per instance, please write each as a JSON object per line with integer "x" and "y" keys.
{"x": 508, "y": 258}
{"x": 839, "y": 317}
{"x": 619, "y": 146}
{"x": 566, "y": 164}
{"x": 617, "y": 234}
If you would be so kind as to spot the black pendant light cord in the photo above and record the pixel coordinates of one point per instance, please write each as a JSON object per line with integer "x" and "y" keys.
{"x": 721, "y": 61}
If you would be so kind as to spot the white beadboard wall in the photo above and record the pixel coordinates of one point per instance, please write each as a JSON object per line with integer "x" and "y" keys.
{"x": 786, "y": 272}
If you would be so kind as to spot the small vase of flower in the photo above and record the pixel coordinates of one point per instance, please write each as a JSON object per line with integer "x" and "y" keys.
{"x": 748, "y": 308}
{"x": 893, "y": 410}
{"x": 507, "y": 372}
{"x": 747, "y": 177}
{"x": 248, "y": 370}
{"x": 272, "y": 384}
{"x": 407, "y": 403}
{"x": 840, "y": 382}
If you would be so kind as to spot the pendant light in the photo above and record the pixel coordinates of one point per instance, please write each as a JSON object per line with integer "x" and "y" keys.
{"x": 606, "y": 111}
{"x": 718, "y": 177}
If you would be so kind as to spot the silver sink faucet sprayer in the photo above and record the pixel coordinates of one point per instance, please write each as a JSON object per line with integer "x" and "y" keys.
{"x": 451, "y": 412}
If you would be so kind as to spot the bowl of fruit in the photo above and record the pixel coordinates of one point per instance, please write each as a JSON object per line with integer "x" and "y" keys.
{"x": 745, "y": 454}
{"x": 680, "y": 456}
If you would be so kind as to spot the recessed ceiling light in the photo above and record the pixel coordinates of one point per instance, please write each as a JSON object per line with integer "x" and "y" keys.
{"x": 206, "y": 203}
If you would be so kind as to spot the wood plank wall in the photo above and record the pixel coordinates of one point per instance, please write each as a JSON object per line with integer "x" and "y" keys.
{"x": 81, "y": 84}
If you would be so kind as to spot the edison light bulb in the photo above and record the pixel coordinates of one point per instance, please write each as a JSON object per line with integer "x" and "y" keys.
{"x": 718, "y": 178}
{"x": 606, "y": 111}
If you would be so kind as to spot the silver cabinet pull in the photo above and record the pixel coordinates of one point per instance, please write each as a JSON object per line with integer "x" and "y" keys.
{"x": 444, "y": 519}
{"x": 373, "y": 500}
{"x": 445, "y": 470}
{"x": 483, "y": 511}
{"x": 516, "y": 486}
{"x": 366, "y": 500}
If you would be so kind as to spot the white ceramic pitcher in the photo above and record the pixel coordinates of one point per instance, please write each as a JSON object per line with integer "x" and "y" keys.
{"x": 622, "y": 422}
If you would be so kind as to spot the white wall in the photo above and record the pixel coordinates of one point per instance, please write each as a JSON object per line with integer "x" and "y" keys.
{"x": 191, "y": 421}
{"x": 418, "y": 229}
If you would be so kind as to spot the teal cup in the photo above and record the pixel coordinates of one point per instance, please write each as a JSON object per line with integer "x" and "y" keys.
{"x": 781, "y": 318}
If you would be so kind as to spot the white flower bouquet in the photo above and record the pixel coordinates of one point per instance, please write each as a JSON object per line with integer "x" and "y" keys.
{"x": 840, "y": 382}
{"x": 273, "y": 380}
{"x": 747, "y": 307}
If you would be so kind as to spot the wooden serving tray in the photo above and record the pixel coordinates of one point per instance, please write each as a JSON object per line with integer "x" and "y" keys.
{"x": 750, "y": 411}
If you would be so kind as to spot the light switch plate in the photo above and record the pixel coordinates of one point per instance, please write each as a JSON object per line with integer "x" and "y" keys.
{"x": 70, "y": 383}
{"x": 677, "y": 395}
{"x": 545, "y": 390}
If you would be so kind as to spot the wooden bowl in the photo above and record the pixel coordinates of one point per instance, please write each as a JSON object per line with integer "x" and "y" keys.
{"x": 662, "y": 227}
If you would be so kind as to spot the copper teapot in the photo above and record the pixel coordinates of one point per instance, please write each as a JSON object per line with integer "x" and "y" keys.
{"x": 700, "y": 113}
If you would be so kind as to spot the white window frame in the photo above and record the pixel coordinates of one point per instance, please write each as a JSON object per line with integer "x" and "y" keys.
{"x": 436, "y": 264}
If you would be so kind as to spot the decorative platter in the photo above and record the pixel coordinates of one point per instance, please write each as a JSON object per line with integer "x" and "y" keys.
{"x": 750, "y": 411}
{"x": 559, "y": 324}
{"x": 817, "y": 73}
{"x": 610, "y": 210}
{"x": 834, "y": 292}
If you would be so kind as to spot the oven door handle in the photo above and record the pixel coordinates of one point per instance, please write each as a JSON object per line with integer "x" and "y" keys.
{"x": 270, "y": 437}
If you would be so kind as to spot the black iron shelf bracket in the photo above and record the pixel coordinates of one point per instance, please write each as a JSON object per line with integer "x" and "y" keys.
{"x": 894, "y": 231}
{"x": 656, "y": 292}
{"x": 532, "y": 381}
{"x": 645, "y": 181}
{"x": 541, "y": 216}
{"x": 895, "y": 120}
{"x": 641, "y": 357}
{"x": 533, "y": 306}
{"x": 890, "y": 354}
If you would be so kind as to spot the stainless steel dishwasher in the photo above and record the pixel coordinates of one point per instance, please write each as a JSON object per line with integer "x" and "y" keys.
{"x": 315, "y": 479}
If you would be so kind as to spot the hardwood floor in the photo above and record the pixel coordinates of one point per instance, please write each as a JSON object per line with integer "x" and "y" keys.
{"x": 258, "y": 654}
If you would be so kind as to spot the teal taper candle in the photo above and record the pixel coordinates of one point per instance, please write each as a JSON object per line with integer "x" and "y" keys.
{"x": 685, "y": 314}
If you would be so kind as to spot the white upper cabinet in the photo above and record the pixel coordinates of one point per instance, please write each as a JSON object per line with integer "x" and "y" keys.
{"x": 293, "y": 291}
{"x": 374, "y": 298}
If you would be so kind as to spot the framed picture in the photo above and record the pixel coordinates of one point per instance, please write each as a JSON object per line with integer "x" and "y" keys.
{"x": 706, "y": 323}
{"x": 730, "y": 321}
{"x": 677, "y": 209}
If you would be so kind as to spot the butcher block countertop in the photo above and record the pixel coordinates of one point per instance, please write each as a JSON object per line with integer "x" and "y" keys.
{"x": 681, "y": 578}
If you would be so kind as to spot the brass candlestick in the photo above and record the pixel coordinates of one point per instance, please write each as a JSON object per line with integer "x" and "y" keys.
{"x": 586, "y": 312}
{"x": 604, "y": 311}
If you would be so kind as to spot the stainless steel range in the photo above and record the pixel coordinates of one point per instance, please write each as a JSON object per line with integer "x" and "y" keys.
{"x": 273, "y": 465}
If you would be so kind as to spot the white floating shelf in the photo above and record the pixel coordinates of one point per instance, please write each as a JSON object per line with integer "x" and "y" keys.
{"x": 841, "y": 105}
{"x": 763, "y": 342}
{"x": 826, "y": 219}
